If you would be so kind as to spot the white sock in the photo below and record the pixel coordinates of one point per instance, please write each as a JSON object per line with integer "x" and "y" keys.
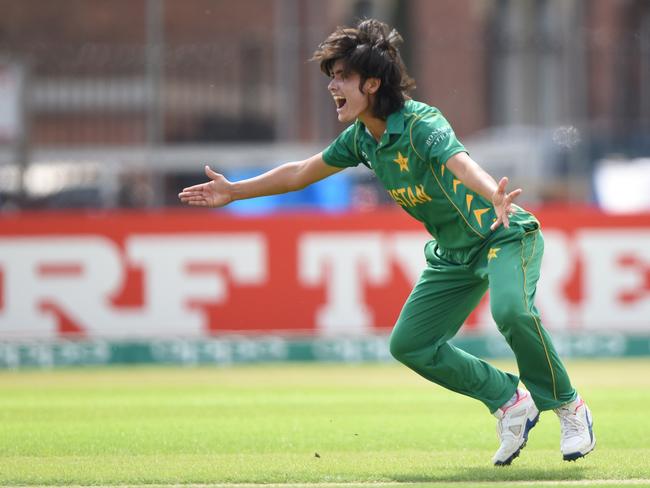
{"x": 512, "y": 400}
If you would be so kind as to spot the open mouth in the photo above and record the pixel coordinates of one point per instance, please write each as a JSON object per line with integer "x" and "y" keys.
{"x": 340, "y": 102}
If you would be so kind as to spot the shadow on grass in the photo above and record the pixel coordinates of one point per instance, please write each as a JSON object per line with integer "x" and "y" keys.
{"x": 506, "y": 473}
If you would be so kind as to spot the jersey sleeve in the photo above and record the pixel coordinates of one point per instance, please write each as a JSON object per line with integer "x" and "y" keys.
{"x": 342, "y": 152}
{"x": 434, "y": 139}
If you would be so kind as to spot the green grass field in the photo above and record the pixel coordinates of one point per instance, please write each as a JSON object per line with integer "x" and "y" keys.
{"x": 302, "y": 424}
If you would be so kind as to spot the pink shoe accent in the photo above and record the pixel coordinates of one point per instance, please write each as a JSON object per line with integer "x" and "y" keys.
{"x": 580, "y": 404}
{"x": 521, "y": 395}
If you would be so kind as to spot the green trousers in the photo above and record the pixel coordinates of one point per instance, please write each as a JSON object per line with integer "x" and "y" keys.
{"x": 451, "y": 286}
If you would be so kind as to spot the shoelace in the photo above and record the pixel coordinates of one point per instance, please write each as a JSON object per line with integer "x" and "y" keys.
{"x": 570, "y": 423}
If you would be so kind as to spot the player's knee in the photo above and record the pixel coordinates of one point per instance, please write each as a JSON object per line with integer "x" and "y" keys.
{"x": 402, "y": 347}
{"x": 399, "y": 347}
{"x": 412, "y": 351}
{"x": 508, "y": 313}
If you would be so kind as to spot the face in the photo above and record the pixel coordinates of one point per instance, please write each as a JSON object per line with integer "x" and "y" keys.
{"x": 351, "y": 103}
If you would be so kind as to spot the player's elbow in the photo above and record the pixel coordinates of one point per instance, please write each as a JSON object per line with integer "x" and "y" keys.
{"x": 299, "y": 177}
{"x": 295, "y": 183}
{"x": 298, "y": 183}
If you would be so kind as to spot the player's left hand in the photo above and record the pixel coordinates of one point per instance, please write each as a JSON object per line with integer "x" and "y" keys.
{"x": 502, "y": 202}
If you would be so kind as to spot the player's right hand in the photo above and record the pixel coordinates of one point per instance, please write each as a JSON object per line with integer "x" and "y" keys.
{"x": 214, "y": 193}
{"x": 502, "y": 201}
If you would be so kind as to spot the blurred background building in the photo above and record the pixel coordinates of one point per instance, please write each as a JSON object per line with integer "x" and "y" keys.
{"x": 119, "y": 103}
{"x": 107, "y": 105}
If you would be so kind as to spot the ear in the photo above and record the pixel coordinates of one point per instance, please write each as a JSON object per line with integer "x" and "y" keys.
{"x": 371, "y": 85}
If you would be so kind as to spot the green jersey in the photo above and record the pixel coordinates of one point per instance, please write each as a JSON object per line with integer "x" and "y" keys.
{"x": 409, "y": 161}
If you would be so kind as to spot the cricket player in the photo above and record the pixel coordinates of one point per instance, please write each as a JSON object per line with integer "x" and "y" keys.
{"x": 480, "y": 239}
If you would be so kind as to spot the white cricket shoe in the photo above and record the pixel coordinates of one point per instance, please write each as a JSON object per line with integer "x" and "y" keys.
{"x": 576, "y": 425}
{"x": 515, "y": 421}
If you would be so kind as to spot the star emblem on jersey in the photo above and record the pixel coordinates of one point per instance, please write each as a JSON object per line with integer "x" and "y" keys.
{"x": 492, "y": 253}
{"x": 402, "y": 161}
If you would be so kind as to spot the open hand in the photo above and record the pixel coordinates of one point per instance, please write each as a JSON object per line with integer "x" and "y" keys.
{"x": 502, "y": 202}
{"x": 214, "y": 193}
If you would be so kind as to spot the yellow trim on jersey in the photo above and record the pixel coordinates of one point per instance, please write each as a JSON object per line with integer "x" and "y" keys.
{"x": 356, "y": 148}
{"x": 442, "y": 188}
{"x": 539, "y": 330}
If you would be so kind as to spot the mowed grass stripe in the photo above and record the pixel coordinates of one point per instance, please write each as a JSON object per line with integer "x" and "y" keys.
{"x": 409, "y": 466}
{"x": 458, "y": 484}
{"x": 266, "y": 424}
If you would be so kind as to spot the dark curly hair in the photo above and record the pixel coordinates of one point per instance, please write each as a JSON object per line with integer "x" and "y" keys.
{"x": 371, "y": 50}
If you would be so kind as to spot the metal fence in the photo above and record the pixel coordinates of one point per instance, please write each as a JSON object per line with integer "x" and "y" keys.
{"x": 107, "y": 94}
{"x": 126, "y": 106}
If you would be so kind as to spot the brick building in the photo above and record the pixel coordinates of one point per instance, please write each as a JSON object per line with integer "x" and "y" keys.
{"x": 179, "y": 72}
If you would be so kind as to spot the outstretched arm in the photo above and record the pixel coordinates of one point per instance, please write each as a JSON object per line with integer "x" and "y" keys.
{"x": 477, "y": 179}
{"x": 285, "y": 178}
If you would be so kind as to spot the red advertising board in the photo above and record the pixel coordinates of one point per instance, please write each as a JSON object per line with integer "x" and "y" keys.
{"x": 194, "y": 272}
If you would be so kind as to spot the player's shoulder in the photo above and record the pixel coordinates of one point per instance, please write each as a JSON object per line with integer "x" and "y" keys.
{"x": 425, "y": 123}
{"x": 351, "y": 129}
{"x": 349, "y": 135}
{"x": 419, "y": 114}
